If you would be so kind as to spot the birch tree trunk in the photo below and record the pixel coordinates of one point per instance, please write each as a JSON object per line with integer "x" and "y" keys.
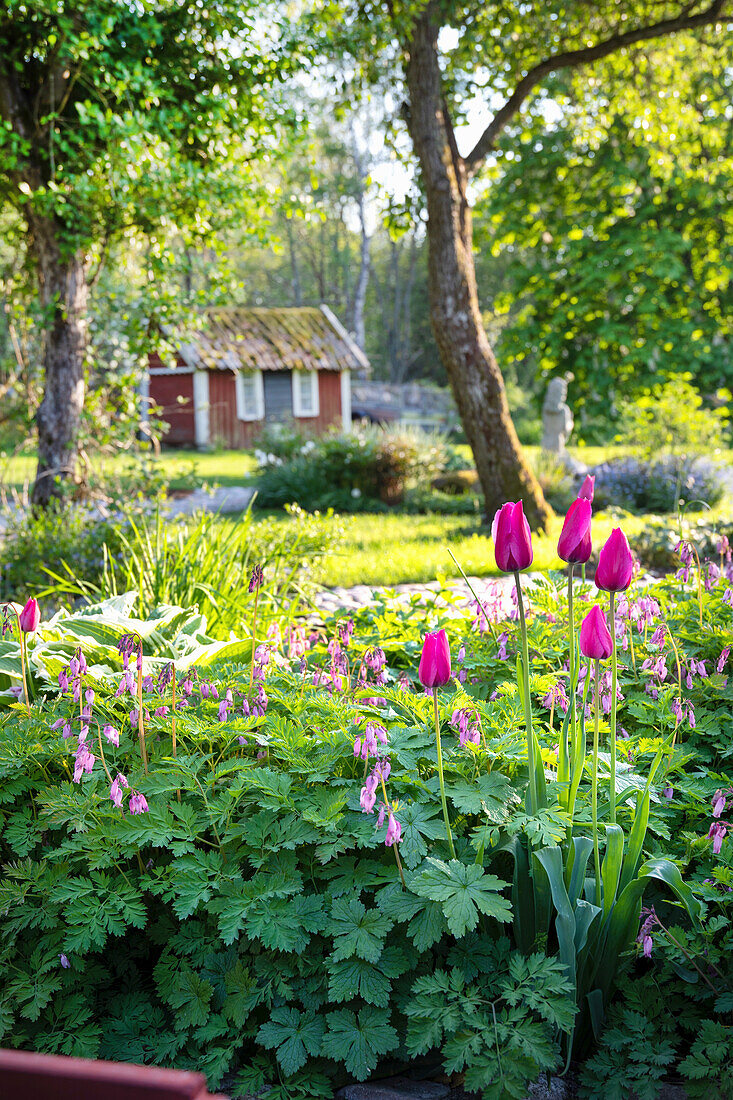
{"x": 362, "y": 281}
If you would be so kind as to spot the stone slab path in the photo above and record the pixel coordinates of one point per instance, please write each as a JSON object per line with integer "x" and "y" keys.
{"x": 492, "y": 591}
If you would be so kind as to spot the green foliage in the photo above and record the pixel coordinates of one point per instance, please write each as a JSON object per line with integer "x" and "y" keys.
{"x": 198, "y": 562}
{"x": 710, "y": 1060}
{"x": 35, "y": 544}
{"x": 499, "y": 1028}
{"x": 261, "y": 920}
{"x": 463, "y": 893}
{"x": 98, "y": 152}
{"x": 356, "y": 472}
{"x": 672, "y": 420}
{"x": 259, "y": 926}
{"x": 621, "y": 273}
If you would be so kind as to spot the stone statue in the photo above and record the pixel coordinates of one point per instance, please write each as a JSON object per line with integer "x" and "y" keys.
{"x": 557, "y": 419}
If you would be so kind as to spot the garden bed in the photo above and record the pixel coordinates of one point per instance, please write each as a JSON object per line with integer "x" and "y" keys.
{"x": 195, "y": 866}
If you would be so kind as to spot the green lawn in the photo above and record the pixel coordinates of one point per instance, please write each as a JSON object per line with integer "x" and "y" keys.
{"x": 383, "y": 549}
{"x": 221, "y": 467}
{"x": 396, "y": 549}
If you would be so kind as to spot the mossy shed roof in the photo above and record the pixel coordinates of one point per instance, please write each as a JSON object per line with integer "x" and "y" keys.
{"x": 259, "y": 338}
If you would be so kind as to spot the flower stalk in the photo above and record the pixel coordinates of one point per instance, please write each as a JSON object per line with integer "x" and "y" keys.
{"x": 594, "y": 776}
{"x": 140, "y": 710}
{"x": 391, "y": 808}
{"x": 173, "y": 723}
{"x": 255, "y": 583}
{"x": 614, "y": 681}
{"x": 531, "y": 758}
{"x": 448, "y": 833}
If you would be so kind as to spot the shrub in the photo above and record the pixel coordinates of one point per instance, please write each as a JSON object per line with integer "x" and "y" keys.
{"x": 35, "y": 545}
{"x": 670, "y": 431}
{"x": 351, "y": 473}
{"x": 557, "y": 482}
{"x": 672, "y": 420}
{"x": 657, "y": 485}
{"x": 433, "y": 502}
{"x": 259, "y": 926}
{"x": 206, "y": 561}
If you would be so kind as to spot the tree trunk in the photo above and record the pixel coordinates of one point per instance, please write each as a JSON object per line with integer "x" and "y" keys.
{"x": 472, "y": 370}
{"x": 63, "y": 293}
{"x": 294, "y": 269}
{"x": 362, "y": 281}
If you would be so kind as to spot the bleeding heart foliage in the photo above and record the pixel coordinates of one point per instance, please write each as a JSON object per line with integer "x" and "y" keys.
{"x": 252, "y": 921}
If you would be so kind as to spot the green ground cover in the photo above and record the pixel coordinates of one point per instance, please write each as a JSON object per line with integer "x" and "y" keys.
{"x": 395, "y": 549}
{"x": 377, "y": 549}
{"x": 299, "y": 880}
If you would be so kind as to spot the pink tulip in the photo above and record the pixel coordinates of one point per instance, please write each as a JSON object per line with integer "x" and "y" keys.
{"x": 512, "y": 538}
{"x": 587, "y": 488}
{"x": 595, "y": 637}
{"x": 615, "y": 563}
{"x": 574, "y": 544}
{"x": 30, "y": 617}
{"x": 434, "y": 670}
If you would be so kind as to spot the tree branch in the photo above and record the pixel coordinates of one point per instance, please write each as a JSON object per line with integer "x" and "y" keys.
{"x": 572, "y": 59}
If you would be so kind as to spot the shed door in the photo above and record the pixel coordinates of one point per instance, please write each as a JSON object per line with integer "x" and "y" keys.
{"x": 278, "y": 394}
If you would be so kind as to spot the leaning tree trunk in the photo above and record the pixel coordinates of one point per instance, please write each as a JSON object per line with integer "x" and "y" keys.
{"x": 63, "y": 294}
{"x": 473, "y": 373}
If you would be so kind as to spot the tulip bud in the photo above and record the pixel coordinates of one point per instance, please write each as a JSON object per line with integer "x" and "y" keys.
{"x": 615, "y": 563}
{"x": 30, "y": 617}
{"x": 512, "y": 538}
{"x": 587, "y": 488}
{"x": 434, "y": 670}
{"x": 574, "y": 544}
{"x": 595, "y": 637}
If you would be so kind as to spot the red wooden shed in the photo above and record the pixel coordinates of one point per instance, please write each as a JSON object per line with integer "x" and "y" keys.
{"x": 247, "y": 367}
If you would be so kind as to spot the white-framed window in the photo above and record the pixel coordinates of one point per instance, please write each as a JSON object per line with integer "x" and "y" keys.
{"x": 250, "y": 395}
{"x": 305, "y": 393}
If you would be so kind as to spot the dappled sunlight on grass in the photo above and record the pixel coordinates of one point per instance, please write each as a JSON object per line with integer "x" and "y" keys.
{"x": 396, "y": 549}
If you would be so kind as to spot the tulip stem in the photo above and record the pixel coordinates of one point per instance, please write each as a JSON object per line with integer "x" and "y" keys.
{"x": 571, "y": 626}
{"x": 594, "y": 777}
{"x": 533, "y": 794}
{"x": 614, "y": 680}
{"x": 440, "y": 774}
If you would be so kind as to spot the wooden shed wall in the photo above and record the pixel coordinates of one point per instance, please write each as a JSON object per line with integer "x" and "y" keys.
{"x": 165, "y": 389}
{"x": 227, "y": 430}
